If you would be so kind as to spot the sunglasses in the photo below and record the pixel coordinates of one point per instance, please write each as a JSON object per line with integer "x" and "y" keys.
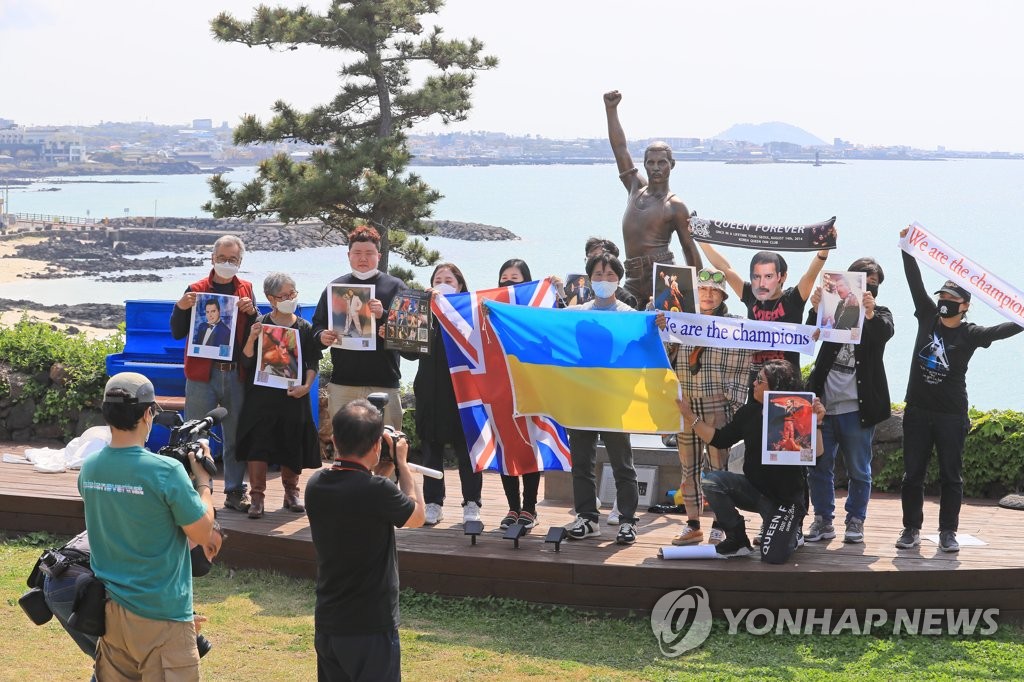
{"x": 716, "y": 277}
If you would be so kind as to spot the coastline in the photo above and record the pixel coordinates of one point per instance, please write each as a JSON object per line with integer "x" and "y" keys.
{"x": 12, "y": 267}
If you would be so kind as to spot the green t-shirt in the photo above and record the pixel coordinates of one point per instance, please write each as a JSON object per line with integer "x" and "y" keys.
{"x": 135, "y": 505}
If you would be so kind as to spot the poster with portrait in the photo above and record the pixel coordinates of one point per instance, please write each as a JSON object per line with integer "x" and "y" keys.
{"x": 408, "y": 327}
{"x": 840, "y": 313}
{"x": 788, "y": 430}
{"x": 214, "y": 318}
{"x": 675, "y": 288}
{"x": 577, "y": 289}
{"x": 279, "y": 357}
{"x": 348, "y": 309}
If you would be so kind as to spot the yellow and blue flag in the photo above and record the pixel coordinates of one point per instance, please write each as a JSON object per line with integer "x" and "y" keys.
{"x": 597, "y": 370}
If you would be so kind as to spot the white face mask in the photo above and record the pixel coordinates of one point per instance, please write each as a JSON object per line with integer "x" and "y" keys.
{"x": 287, "y": 307}
{"x": 365, "y": 275}
{"x": 444, "y": 289}
{"x": 225, "y": 270}
{"x": 604, "y": 289}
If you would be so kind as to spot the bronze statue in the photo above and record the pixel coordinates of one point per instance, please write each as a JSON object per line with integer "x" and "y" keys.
{"x": 652, "y": 214}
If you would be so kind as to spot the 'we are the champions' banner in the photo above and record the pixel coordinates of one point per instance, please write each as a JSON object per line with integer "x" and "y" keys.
{"x": 765, "y": 237}
{"x": 940, "y": 257}
{"x": 737, "y": 332}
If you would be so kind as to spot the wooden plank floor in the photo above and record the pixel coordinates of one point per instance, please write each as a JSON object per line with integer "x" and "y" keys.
{"x": 597, "y": 573}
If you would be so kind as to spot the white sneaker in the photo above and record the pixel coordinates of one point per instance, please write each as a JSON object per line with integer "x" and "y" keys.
{"x": 613, "y": 515}
{"x": 434, "y": 514}
{"x": 583, "y": 528}
{"x": 470, "y": 512}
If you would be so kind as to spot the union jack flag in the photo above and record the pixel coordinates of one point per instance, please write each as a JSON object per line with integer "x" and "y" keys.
{"x": 496, "y": 438}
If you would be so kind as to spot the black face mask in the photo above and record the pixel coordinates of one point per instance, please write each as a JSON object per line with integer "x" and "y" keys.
{"x": 507, "y": 283}
{"x": 200, "y": 564}
{"x": 948, "y": 308}
{"x": 873, "y": 290}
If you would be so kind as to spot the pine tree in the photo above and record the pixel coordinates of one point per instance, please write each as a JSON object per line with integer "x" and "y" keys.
{"x": 358, "y": 175}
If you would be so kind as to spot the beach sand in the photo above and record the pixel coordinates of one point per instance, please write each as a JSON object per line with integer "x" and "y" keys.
{"x": 10, "y": 268}
{"x": 11, "y": 317}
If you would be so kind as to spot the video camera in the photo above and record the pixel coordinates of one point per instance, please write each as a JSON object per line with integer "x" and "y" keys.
{"x": 380, "y": 401}
{"x": 186, "y": 434}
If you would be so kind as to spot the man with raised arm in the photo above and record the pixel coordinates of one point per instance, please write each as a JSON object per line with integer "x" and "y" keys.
{"x": 653, "y": 213}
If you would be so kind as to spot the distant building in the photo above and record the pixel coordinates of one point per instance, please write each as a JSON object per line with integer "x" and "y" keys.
{"x": 50, "y": 145}
{"x": 202, "y": 124}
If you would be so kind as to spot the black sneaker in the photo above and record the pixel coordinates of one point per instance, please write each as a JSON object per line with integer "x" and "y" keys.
{"x": 947, "y": 541}
{"x": 626, "y": 534}
{"x": 237, "y": 500}
{"x": 527, "y": 519}
{"x": 510, "y": 519}
{"x": 734, "y": 544}
{"x": 583, "y": 527}
{"x": 909, "y": 538}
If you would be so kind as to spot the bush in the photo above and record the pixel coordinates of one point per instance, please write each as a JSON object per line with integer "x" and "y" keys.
{"x": 34, "y": 348}
{"x": 993, "y": 457}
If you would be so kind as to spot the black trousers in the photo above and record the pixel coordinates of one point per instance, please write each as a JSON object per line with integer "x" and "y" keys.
{"x": 433, "y": 458}
{"x": 358, "y": 658}
{"x": 923, "y": 431}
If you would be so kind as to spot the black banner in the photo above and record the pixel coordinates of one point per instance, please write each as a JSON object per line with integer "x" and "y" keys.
{"x": 814, "y": 237}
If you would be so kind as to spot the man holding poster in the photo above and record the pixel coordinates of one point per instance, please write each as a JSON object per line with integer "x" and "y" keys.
{"x": 936, "y": 414}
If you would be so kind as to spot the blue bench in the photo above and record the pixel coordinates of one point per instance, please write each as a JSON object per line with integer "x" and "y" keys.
{"x": 150, "y": 351}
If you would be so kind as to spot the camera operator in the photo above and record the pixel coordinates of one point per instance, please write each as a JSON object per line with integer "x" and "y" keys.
{"x": 140, "y": 510}
{"x": 353, "y": 512}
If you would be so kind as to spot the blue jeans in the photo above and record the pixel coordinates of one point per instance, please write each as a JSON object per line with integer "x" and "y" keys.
{"x": 351, "y": 658}
{"x": 727, "y": 491}
{"x": 843, "y": 431}
{"x": 59, "y": 594}
{"x": 224, "y": 389}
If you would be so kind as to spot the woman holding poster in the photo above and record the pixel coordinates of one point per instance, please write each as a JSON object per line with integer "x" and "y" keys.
{"x": 437, "y": 414}
{"x": 936, "y": 414}
{"x": 276, "y": 426}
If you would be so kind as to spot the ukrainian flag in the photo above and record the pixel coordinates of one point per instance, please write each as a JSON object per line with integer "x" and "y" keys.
{"x": 598, "y": 370}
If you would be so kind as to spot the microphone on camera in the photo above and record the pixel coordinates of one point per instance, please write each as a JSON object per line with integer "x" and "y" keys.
{"x": 212, "y": 418}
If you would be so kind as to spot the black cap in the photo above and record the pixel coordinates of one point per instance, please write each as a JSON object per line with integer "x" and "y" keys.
{"x": 954, "y": 289}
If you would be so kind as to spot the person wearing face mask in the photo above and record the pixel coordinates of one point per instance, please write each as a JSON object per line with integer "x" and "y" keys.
{"x": 212, "y": 383}
{"x": 59, "y": 592}
{"x": 276, "y": 426}
{"x": 936, "y": 413}
{"x": 605, "y": 272}
{"x": 141, "y": 510}
{"x": 714, "y": 380}
{"x": 357, "y": 374}
{"x": 520, "y": 510}
{"x": 437, "y": 413}
{"x": 850, "y": 379}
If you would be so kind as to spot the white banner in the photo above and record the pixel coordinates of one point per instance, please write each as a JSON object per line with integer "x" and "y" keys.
{"x": 736, "y": 332}
{"x": 940, "y": 257}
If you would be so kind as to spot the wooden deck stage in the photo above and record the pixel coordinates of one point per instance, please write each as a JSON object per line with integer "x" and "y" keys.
{"x": 600, "y": 575}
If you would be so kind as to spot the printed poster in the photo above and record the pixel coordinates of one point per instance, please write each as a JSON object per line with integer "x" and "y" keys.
{"x": 813, "y": 237}
{"x": 214, "y": 318}
{"x": 675, "y": 288}
{"x": 840, "y": 313}
{"x": 789, "y": 428}
{"x": 408, "y": 326}
{"x": 348, "y": 310}
{"x": 577, "y": 289}
{"x": 280, "y": 357}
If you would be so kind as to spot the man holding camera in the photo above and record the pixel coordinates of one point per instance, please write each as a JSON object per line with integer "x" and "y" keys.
{"x": 141, "y": 510}
{"x": 353, "y": 511}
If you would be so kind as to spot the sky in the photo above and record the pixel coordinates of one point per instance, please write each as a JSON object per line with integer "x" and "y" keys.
{"x": 876, "y": 73}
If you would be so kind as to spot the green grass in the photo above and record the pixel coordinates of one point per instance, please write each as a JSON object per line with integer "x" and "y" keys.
{"x": 261, "y": 626}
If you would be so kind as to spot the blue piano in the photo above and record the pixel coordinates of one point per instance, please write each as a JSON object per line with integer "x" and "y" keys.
{"x": 150, "y": 351}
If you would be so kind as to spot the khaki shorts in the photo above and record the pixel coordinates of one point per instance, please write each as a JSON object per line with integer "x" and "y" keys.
{"x": 339, "y": 396}
{"x": 137, "y": 648}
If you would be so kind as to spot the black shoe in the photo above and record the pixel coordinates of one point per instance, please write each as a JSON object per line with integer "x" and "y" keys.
{"x": 947, "y": 541}
{"x": 237, "y": 500}
{"x": 734, "y": 544}
{"x": 909, "y": 538}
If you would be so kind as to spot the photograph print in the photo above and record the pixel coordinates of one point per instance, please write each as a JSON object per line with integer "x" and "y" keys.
{"x": 280, "y": 357}
{"x": 408, "y": 326}
{"x": 577, "y": 289}
{"x": 789, "y": 428}
{"x": 348, "y": 308}
{"x": 840, "y": 313}
{"x": 214, "y": 318}
{"x": 675, "y": 288}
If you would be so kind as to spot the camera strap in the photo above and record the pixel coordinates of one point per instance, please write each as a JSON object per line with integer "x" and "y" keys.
{"x": 348, "y": 465}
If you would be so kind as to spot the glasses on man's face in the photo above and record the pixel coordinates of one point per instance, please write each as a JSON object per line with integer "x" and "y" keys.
{"x": 760, "y": 380}
{"x": 285, "y": 297}
{"x": 707, "y": 276}
{"x": 222, "y": 260}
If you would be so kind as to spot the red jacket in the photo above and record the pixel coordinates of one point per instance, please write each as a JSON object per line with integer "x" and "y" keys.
{"x": 198, "y": 369}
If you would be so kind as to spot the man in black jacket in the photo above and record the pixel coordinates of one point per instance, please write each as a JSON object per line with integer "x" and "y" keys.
{"x": 850, "y": 380}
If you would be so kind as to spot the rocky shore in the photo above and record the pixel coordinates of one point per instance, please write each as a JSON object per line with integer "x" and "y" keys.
{"x": 107, "y": 248}
{"x": 98, "y": 315}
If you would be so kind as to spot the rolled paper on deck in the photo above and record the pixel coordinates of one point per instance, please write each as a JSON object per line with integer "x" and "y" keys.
{"x": 691, "y": 552}
{"x": 432, "y": 473}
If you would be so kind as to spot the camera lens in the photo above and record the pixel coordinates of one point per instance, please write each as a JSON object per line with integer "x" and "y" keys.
{"x": 203, "y": 645}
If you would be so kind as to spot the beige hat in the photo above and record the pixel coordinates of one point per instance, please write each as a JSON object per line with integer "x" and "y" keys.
{"x": 710, "y": 277}
{"x": 129, "y": 387}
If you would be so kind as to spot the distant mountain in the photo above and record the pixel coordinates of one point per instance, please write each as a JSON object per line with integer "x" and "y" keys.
{"x": 763, "y": 133}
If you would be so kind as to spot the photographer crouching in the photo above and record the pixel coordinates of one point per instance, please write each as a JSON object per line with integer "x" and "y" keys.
{"x": 353, "y": 512}
{"x": 140, "y": 512}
